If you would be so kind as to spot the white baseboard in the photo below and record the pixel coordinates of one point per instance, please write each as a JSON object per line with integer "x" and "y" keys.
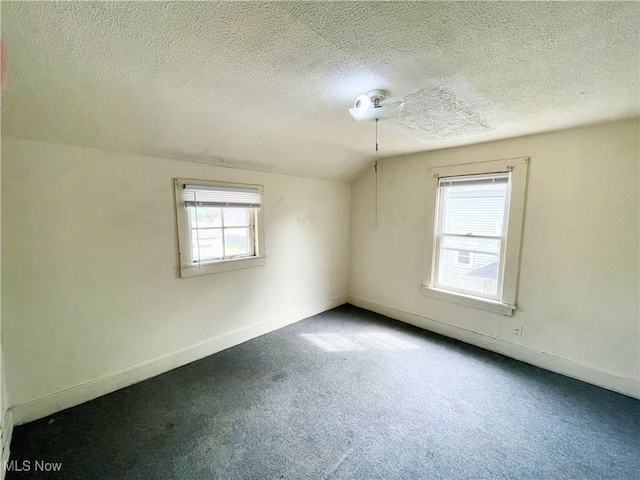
{"x": 84, "y": 392}
{"x": 5, "y": 441}
{"x": 596, "y": 376}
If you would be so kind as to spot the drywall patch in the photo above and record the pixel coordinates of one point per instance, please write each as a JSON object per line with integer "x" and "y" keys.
{"x": 207, "y": 158}
{"x": 449, "y": 108}
{"x": 306, "y": 219}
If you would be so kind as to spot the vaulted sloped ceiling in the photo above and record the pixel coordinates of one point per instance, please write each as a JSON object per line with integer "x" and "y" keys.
{"x": 266, "y": 86}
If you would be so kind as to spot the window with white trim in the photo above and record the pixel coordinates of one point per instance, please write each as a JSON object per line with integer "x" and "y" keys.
{"x": 219, "y": 226}
{"x": 475, "y": 230}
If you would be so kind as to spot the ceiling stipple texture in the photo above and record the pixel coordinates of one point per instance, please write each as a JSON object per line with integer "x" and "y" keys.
{"x": 266, "y": 86}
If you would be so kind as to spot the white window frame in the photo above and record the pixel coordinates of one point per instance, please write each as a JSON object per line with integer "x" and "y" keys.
{"x": 191, "y": 268}
{"x": 505, "y": 304}
{"x": 440, "y": 236}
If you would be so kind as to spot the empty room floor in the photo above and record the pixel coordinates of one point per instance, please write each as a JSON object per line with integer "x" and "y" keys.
{"x": 345, "y": 394}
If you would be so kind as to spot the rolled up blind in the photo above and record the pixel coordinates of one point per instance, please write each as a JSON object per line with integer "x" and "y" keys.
{"x": 470, "y": 180}
{"x": 210, "y": 196}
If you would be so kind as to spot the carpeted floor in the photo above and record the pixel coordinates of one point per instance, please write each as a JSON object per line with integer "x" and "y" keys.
{"x": 345, "y": 394}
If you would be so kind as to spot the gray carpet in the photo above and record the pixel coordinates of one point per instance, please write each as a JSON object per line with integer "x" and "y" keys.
{"x": 345, "y": 394}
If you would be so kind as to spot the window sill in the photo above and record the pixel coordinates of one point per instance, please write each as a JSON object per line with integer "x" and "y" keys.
{"x": 468, "y": 300}
{"x": 222, "y": 266}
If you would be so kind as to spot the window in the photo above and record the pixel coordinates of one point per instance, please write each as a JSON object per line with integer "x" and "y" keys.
{"x": 463, "y": 257}
{"x": 474, "y": 234}
{"x": 219, "y": 226}
{"x": 470, "y": 219}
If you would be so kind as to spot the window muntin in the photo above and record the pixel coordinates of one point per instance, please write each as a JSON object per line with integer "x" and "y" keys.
{"x": 220, "y": 226}
{"x": 472, "y": 212}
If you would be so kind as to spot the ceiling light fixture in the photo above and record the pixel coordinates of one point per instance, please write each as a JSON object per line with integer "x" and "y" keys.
{"x": 369, "y": 107}
{"x": 362, "y": 104}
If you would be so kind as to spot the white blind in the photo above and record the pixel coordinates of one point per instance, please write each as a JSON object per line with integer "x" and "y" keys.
{"x": 469, "y": 180}
{"x": 210, "y": 196}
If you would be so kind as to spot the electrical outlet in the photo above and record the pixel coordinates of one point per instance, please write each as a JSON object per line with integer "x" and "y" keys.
{"x": 327, "y": 288}
{"x": 517, "y": 330}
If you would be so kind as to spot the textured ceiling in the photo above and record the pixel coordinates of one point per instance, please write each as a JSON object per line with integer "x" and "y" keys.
{"x": 266, "y": 86}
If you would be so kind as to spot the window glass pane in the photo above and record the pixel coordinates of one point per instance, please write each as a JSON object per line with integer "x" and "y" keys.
{"x": 236, "y": 217}
{"x": 237, "y": 241}
{"x": 206, "y": 216}
{"x": 464, "y": 257}
{"x": 475, "y": 209}
{"x": 479, "y": 275}
{"x": 206, "y": 244}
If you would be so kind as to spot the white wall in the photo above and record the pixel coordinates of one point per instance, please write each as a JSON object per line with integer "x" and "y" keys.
{"x": 92, "y": 299}
{"x": 578, "y": 291}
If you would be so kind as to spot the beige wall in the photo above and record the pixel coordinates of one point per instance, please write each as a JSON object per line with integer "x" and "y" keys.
{"x": 92, "y": 298}
{"x": 578, "y": 290}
